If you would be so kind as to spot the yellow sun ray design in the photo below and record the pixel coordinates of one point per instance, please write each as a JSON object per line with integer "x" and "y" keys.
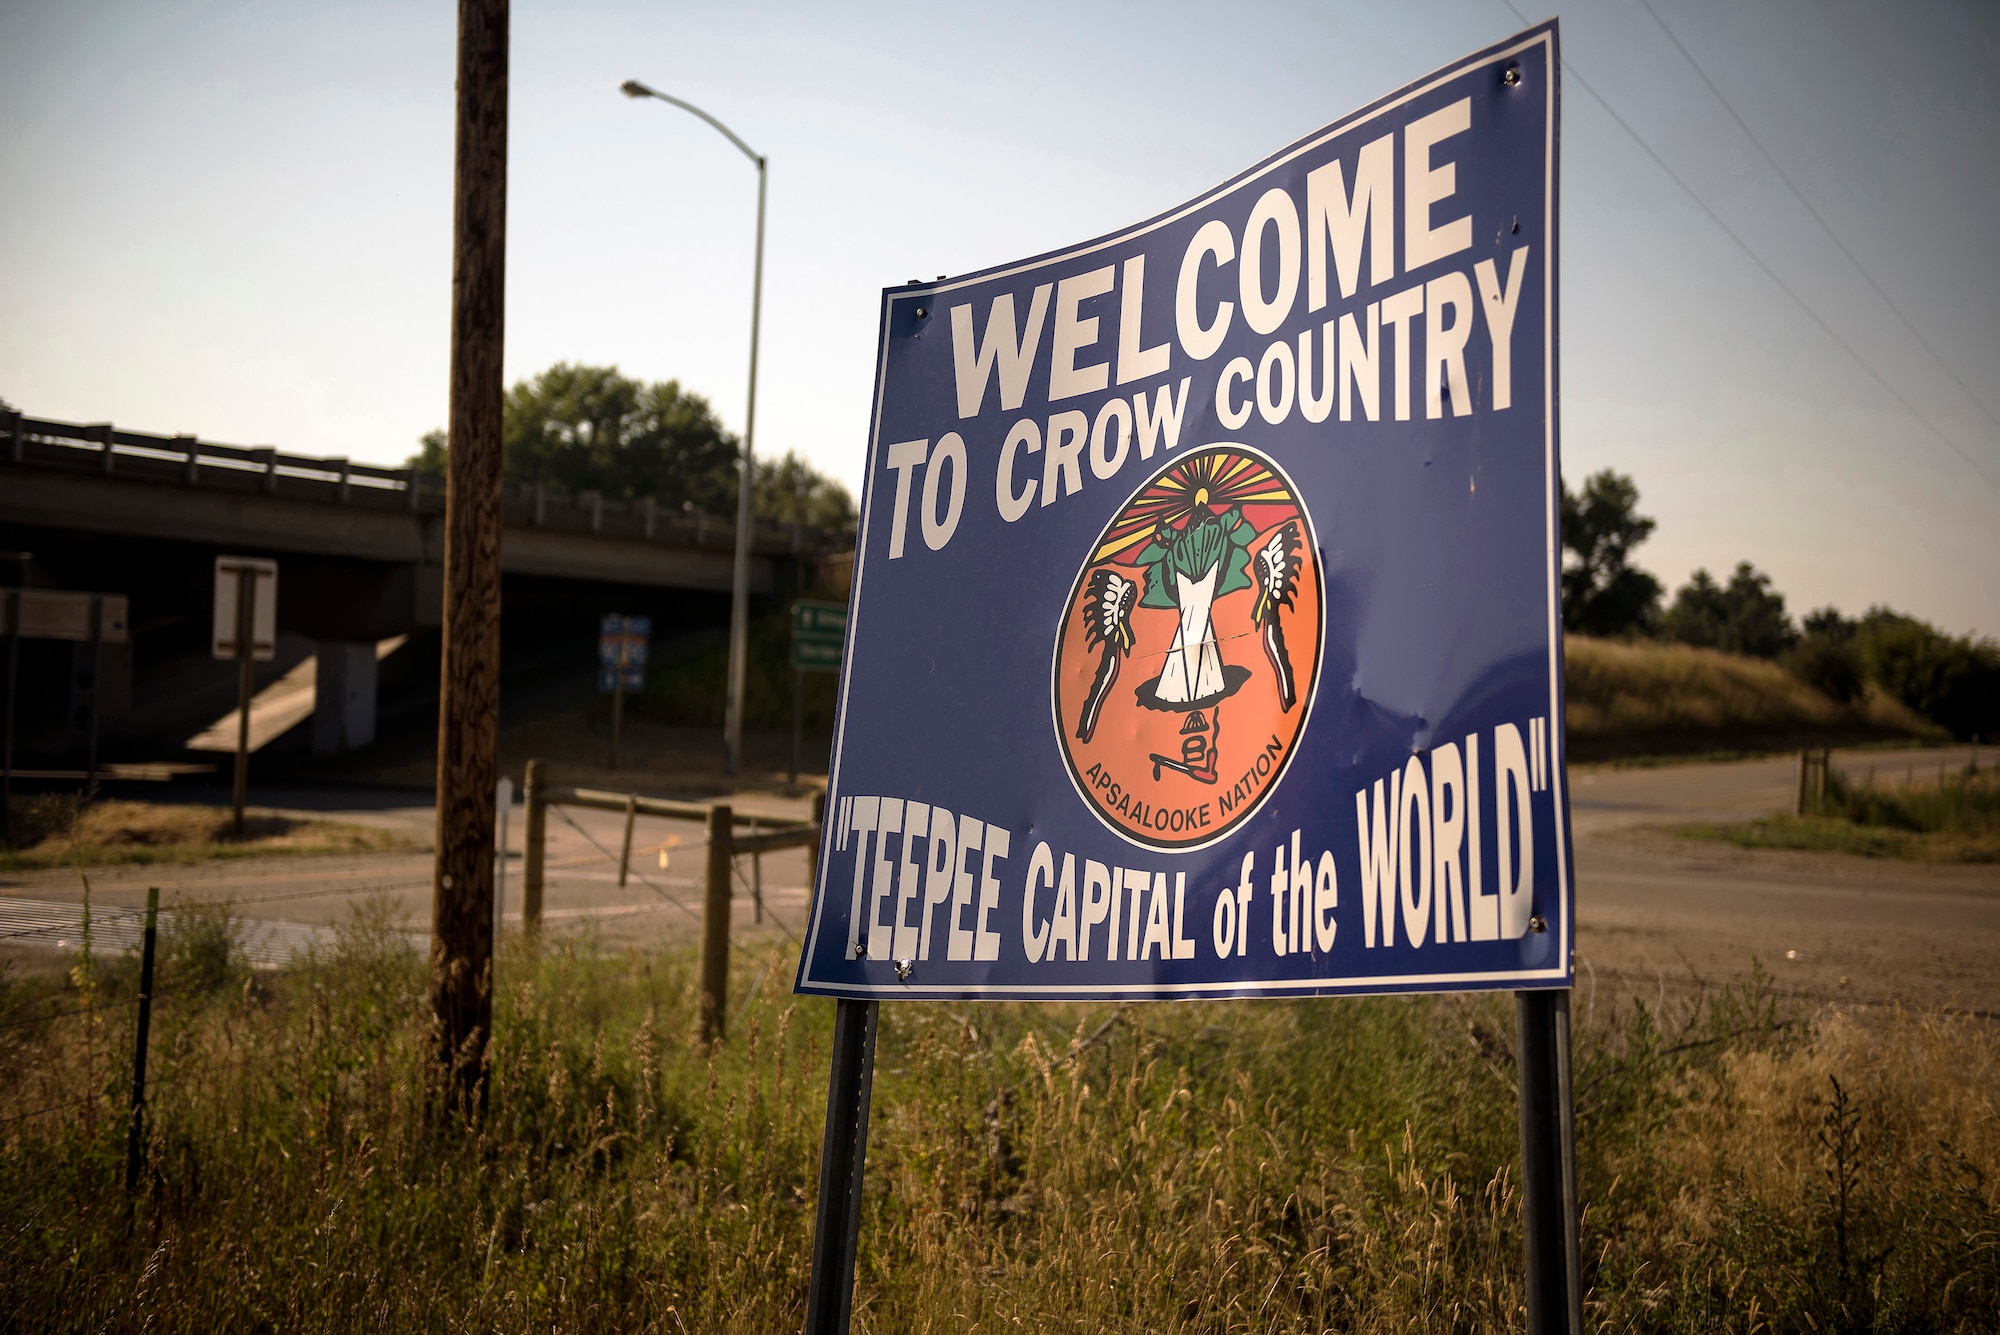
{"x": 1210, "y": 481}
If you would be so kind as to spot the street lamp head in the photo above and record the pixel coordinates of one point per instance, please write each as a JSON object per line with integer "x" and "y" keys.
{"x": 633, "y": 88}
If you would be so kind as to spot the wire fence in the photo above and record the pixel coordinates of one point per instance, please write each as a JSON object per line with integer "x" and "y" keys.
{"x": 297, "y": 949}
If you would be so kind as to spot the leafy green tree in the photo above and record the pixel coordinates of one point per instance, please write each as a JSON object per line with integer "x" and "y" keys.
{"x": 1602, "y": 593}
{"x": 1827, "y": 623}
{"x": 789, "y": 490}
{"x": 590, "y": 428}
{"x": 1743, "y": 617}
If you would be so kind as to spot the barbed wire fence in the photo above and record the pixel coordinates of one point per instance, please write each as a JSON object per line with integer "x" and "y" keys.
{"x": 293, "y": 951}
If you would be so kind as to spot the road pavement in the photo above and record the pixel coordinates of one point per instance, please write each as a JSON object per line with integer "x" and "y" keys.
{"x": 1660, "y": 912}
{"x": 1655, "y": 912}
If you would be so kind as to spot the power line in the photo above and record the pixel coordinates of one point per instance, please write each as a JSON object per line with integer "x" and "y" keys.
{"x": 1768, "y": 271}
{"x": 1817, "y": 217}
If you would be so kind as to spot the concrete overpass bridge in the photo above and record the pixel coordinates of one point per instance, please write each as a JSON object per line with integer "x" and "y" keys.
{"x": 360, "y": 550}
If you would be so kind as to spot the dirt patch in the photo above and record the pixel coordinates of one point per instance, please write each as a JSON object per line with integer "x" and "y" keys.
{"x": 110, "y": 833}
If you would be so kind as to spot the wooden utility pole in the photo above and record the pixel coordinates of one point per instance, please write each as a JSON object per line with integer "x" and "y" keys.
{"x": 469, "y": 679}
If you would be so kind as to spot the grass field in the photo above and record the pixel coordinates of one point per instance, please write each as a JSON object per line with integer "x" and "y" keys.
{"x": 1952, "y": 818}
{"x": 60, "y": 832}
{"x": 1279, "y": 1166}
{"x": 1654, "y": 698}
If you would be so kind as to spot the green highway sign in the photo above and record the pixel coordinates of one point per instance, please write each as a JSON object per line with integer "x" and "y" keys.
{"x": 818, "y": 632}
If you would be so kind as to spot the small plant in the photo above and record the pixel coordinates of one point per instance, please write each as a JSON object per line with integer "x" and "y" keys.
{"x": 1954, "y": 818}
{"x": 200, "y": 946}
{"x": 42, "y": 818}
{"x": 1856, "y": 1268}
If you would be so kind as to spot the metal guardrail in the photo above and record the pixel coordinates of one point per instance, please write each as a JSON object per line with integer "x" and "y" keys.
{"x": 263, "y": 469}
{"x": 764, "y": 835}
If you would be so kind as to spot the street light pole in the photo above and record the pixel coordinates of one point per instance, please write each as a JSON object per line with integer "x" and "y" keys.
{"x": 739, "y": 593}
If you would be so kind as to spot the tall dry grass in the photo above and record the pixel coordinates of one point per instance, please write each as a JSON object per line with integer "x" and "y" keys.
{"x": 1635, "y": 696}
{"x": 1281, "y": 1166}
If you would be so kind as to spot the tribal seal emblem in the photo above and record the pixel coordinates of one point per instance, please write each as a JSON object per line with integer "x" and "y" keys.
{"x": 1188, "y": 651}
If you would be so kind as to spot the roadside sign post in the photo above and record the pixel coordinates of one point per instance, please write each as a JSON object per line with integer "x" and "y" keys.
{"x": 7, "y": 744}
{"x": 246, "y": 630}
{"x": 246, "y": 622}
{"x": 621, "y": 667}
{"x": 503, "y": 805}
{"x": 837, "y": 1217}
{"x": 817, "y": 631}
{"x": 96, "y": 693}
{"x": 1206, "y": 634}
{"x": 1549, "y": 1212}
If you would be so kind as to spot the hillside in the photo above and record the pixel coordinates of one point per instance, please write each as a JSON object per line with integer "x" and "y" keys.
{"x": 1633, "y": 698}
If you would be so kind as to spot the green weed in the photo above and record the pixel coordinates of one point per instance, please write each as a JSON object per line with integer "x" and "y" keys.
{"x": 1274, "y": 1166}
{"x": 1953, "y": 819}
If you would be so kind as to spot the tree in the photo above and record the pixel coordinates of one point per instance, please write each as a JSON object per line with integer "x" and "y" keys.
{"x": 1602, "y": 593}
{"x": 1826, "y": 657}
{"x": 1744, "y": 617}
{"x": 590, "y": 428}
{"x": 1952, "y": 680}
{"x": 790, "y": 491}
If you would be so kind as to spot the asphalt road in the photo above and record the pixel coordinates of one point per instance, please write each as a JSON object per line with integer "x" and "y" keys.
{"x": 1656, "y": 913}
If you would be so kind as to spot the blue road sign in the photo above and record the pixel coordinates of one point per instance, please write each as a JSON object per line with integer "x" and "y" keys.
{"x": 621, "y": 642}
{"x": 607, "y": 680}
{"x": 1206, "y": 635}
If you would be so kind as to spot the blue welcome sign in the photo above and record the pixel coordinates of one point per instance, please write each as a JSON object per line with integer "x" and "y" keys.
{"x": 1206, "y": 636}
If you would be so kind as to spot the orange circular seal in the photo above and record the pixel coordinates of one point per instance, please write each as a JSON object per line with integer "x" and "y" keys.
{"x": 1189, "y": 649}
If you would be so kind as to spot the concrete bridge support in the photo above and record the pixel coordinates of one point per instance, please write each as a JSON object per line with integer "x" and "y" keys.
{"x": 344, "y": 697}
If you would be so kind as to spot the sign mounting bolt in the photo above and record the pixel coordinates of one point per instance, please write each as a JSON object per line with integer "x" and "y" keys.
{"x": 903, "y": 968}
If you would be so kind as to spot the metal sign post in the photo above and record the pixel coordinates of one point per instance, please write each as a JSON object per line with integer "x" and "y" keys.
{"x": 1548, "y": 1163}
{"x": 1206, "y": 635}
{"x": 837, "y": 1219}
{"x": 503, "y": 805}
{"x": 7, "y": 744}
{"x": 817, "y": 631}
{"x": 246, "y": 630}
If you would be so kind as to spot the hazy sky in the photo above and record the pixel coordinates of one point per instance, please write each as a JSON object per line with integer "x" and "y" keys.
{"x": 235, "y": 220}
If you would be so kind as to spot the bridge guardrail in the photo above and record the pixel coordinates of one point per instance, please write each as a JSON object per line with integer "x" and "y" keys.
{"x": 190, "y": 462}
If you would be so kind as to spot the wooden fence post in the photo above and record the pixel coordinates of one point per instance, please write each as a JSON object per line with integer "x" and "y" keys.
{"x": 534, "y": 843}
{"x": 715, "y": 923}
{"x": 135, "y": 1135}
{"x": 625, "y": 858}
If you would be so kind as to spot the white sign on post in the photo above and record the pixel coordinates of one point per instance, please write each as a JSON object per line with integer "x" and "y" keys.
{"x": 264, "y": 631}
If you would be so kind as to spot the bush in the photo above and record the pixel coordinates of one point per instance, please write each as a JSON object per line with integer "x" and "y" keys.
{"x": 200, "y": 946}
{"x": 1966, "y": 802}
{"x": 1831, "y": 667}
{"x": 1952, "y": 680}
{"x": 1654, "y": 698}
{"x": 692, "y": 689}
{"x": 39, "y": 817}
